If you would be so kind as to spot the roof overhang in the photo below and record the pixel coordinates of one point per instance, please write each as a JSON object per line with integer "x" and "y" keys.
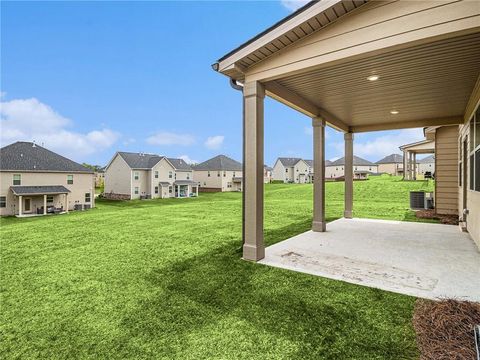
{"x": 425, "y": 54}
{"x": 420, "y": 147}
{"x": 20, "y": 190}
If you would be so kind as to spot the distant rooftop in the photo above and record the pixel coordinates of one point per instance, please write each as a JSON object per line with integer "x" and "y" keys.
{"x": 391, "y": 159}
{"x": 357, "y": 161}
{"x": 219, "y": 162}
{"x": 147, "y": 161}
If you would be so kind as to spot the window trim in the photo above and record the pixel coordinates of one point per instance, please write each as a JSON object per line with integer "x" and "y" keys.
{"x": 19, "y": 179}
{"x": 89, "y": 197}
{"x": 3, "y": 202}
{"x": 70, "y": 179}
{"x": 473, "y": 150}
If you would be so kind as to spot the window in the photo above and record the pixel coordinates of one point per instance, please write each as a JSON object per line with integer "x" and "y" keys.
{"x": 3, "y": 201}
{"x": 224, "y": 173}
{"x": 474, "y": 156}
{"x": 188, "y": 176}
{"x": 49, "y": 199}
{"x": 286, "y": 170}
{"x": 234, "y": 174}
{"x": 17, "y": 179}
{"x": 70, "y": 179}
{"x": 218, "y": 173}
{"x": 87, "y": 197}
{"x": 170, "y": 189}
{"x": 136, "y": 190}
{"x": 135, "y": 175}
{"x": 208, "y": 174}
{"x": 156, "y": 174}
{"x": 156, "y": 189}
{"x": 170, "y": 175}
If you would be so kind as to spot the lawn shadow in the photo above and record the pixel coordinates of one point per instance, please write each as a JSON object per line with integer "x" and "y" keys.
{"x": 263, "y": 310}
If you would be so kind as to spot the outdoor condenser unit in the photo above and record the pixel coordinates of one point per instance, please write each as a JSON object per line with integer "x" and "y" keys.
{"x": 420, "y": 200}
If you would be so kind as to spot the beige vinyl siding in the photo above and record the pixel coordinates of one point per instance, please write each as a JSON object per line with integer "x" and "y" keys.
{"x": 118, "y": 177}
{"x": 446, "y": 170}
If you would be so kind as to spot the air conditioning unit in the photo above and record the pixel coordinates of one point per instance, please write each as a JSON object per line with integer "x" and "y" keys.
{"x": 420, "y": 200}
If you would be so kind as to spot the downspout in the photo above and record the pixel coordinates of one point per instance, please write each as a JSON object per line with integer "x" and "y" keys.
{"x": 237, "y": 86}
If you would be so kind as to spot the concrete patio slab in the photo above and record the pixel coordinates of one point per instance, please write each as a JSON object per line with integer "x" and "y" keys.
{"x": 424, "y": 260}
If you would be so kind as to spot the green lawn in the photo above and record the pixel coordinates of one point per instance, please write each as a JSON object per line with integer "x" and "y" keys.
{"x": 164, "y": 279}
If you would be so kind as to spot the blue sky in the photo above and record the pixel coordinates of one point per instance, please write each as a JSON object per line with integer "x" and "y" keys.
{"x": 89, "y": 78}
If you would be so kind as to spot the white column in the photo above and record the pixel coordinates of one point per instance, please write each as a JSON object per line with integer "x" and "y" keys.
{"x": 318, "y": 223}
{"x": 44, "y": 204}
{"x": 404, "y": 165}
{"x": 407, "y": 163}
{"x": 20, "y": 205}
{"x": 412, "y": 170}
{"x": 348, "y": 213}
{"x": 253, "y": 245}
{"x": 414, "y": 166}
{"x": 66, "y": 202}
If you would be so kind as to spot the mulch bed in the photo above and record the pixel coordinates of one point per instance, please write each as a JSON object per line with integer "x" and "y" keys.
{"x": 444, "y": 329}
{"x": 430, "y": 214}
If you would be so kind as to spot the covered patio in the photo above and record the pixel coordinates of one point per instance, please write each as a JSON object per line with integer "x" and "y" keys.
{"x": 410, "y": 152}
{"x": 40, "y": 200}
{"x": 424, "y": 260}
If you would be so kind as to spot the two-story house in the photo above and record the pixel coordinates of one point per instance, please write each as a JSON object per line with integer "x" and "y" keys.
{"x": 144, "y": 176}
{"x": 293, "y": 170}
{"x": 219, "y": 173}
{"x": 37, "y": 181}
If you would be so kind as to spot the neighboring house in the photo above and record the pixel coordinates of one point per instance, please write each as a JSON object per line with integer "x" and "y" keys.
{"x": 426, "y": 164}
{"x": 220, "y": 173}
{"x": 99, "y": 177}
{"x": 292, "y": 170}
{"x": 267, "y": 174}
{"x": 37, "y": 181}
{"x": 361, "y": 168}
{"x": 391, "y": 164}
{"x": 139, "y": 175}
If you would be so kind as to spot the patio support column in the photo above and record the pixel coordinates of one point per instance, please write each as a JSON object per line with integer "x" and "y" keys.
{"x": 319, "y": 176}
{"x": 66, "y": 202}
{"x": 20, "y": 204}
{"x": 414, "y": 155}
{"x": 253, "y": 98}
{"x": 412, "y": 170}
{"x": 407, "y": 163}
{"x": 44, "y": 204}
{"x": 348, "y": 175}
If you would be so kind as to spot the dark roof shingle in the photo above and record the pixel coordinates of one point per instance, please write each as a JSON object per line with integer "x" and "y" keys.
{"x": 219, "y": 162}
{"x": 391, "y": 159}
{"x": 39, "y": 190}
{"x": 27, "y": 156}
{"x": 426, "y": 160}
{"x": 357, "y": 161}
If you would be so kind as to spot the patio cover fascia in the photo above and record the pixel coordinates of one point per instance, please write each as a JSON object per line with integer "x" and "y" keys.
{"x": 424, "y": 54}
{"x": 26, "y": 190}
{"x": 420, "y": 147}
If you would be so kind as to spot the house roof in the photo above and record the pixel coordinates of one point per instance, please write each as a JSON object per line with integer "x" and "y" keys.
{"x": 288, "y": 161}
{"x": 148, "y": 161}
{"x": 426, "y": 160}
{"x": 309, "y": 162}
{"x": 39, "y": 190}
{"x": 391, "y": 159}
{"x": 185, "y": 182}
{"x": 312, "y": 16}
{"x": 219, "y": 162}
{"x": 357, "y": 161}
{"x": 27, "y": 156}
{"x": 179, "y": 164}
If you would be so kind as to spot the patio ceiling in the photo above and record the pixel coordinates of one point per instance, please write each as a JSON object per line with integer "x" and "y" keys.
{"x": 426, "y": 84}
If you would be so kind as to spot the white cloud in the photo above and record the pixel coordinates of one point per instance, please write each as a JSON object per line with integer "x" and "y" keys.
{"x": 214, "y": 142}
{"x": 129, "y": 141}
{"x": 32, "y": 120}
{"x": 293, "y": 5}
{"x": 188, "y": 160}
{"x": 169, "y": 138}
{"x": 387, "y": 143}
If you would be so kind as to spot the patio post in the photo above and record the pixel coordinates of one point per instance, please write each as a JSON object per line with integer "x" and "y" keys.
{"x": 44, "y": 204}
{"x": 253, "y": 98}
{"x": 348, "y": 175}
{"x": 20, "y": 203}
{"x": 412, "y": 169}
{"x": 414, "y": 161}
{"x": 407, "y": 162}
{"x": 66, "y": 202}
{"x": 318, "y": 223}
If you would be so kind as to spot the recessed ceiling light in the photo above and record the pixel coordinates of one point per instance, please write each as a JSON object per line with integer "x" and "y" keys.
{"x": 394, "y": 112}
{"x": 373, "y": 77}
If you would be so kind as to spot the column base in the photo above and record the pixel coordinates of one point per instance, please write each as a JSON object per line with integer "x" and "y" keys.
{"x": 347, "y": 214}
{"x": 253, "y": 253}
{"x": 319, "y": 226}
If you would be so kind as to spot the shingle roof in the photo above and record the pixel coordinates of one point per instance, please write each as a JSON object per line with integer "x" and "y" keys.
{"x": 39, "y": 190}
{"x": 327, "y": 162}
{"x": 391, "y": 159}
{"x": 27, "y": 156}
{"x": 358, "y": 161}
{"x": 288, "y": 161}
{"x": 140, "y": 160}
{"x": 220, "y": 162}
{"x": 428, "y": 159}
{"x": 309, "y": 162}
{"x": 179, "y": 164}
{"x": 185, "y": 182}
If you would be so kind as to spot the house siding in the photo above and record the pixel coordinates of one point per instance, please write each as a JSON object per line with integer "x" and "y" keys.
{"x": 392, "y": 168}
{"x": 446, "y": 170}
{"x": 118, "y": 177}
{"x": 82, "y": 183}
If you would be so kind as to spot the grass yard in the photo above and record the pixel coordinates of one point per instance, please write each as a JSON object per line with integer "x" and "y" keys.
{"x": 164, "y": 279}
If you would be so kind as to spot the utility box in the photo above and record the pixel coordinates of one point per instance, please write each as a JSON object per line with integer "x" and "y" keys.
{"x": 421, "y": 200}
